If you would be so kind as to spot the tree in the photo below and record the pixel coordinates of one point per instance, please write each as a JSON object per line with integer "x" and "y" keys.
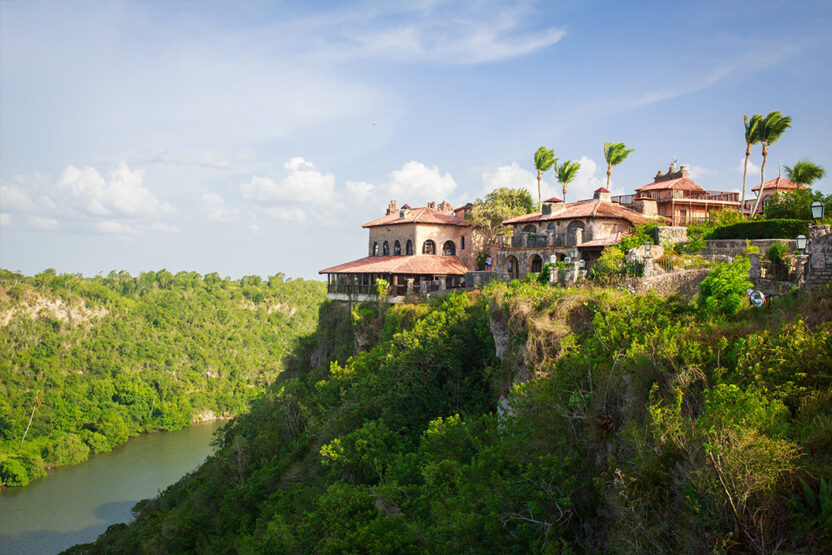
{"x": 804, "y": 172}
{"x": 567, "y": 172}
{"x": 752, "y": 137}
{"x": 544, "y": 159}
{"x": 35, "y": 405}
{"x": 499, "y": 205}
{"x": 614, "y": 154}
{"x": 770, "y": 129}
{"x": 795, "y": 205}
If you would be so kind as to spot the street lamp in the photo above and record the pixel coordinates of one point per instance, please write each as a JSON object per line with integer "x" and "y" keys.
{"x": 574, "y": 254}
{"x": 648, "y": 248}
{"x": 817, "y": 210}
{"x": 801, "y": 243}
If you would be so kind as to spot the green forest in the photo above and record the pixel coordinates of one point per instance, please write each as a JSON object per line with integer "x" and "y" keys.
{"x": 86, "y": 363}
{"x": 526, "y": 418}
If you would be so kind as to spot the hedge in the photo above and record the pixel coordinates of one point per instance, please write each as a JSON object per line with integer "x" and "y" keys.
{"x": 762, "y": 229}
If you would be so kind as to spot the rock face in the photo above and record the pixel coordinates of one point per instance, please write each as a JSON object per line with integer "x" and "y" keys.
{"x": 684, "y": 283}
{"x": 728, "y": 249}
{"x": 57, "y": 309}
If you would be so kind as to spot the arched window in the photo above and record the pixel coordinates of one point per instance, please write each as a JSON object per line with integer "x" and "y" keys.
{"x": 512, "y": 268}
{"x": 397, "y": 248}
{"x": 408, "y": 249}
{"x": 575, "y": 233}
{"x": 529, "y": 229}
{"x": 385, "y": 249}
{"x": 537, "y": 264}
{"x": 429, "y": 247}
{"x": 449, "y": 249}
{"x": 375, "y": 249}
{"x": 550, "y": 228}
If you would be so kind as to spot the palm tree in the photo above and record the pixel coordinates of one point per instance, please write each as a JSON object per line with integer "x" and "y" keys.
{"x": 567, "y": 172}
{"x": 614, "y": 154}
{"x": 544, "y": 159}
{"x": 804, "y": 172}
{"x": 752, "y": 137}
{"x": 770, "y": 129}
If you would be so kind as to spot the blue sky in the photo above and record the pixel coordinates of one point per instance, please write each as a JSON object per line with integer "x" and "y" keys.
{"x": 256, "y": 138}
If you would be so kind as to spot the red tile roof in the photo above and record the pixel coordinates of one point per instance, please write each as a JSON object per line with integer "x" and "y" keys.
{"x": 585, "y": 209}
{"x": 423, "y": 215}
{"x": 601, "y": 190}
{"x": 779, "y": 183}
{"x": 613, "y": 239}
{"x": 553, "y": 199}
{"x": 683, "y": 183}
{"x": 421, "y": 264}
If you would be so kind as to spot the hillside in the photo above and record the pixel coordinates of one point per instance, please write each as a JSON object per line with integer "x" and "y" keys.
{"x": 524, "y": 419}
{"x": 86, "y": 363}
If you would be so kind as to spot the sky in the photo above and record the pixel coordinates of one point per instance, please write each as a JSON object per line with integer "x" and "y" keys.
{"x": 257, "y": 137}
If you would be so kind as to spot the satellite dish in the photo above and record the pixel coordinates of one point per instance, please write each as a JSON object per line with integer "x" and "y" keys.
{"x": 757, "y": 299}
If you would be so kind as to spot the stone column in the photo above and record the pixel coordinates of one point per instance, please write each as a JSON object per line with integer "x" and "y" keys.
{"x": 409, "y": 286}
{"x": 443, "y": 284}
{"x": 801, "y": 264}
{"x": 648, "y": 266}
{"x": 754, "y": 273}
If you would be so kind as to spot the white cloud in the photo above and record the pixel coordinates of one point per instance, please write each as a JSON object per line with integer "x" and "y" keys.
{"x": 284, "y": 213}
{"x": 699, "y": 171}
{"x": 509, "y": 176}
{"x": 753, "y": 169}
{"x": 162, "y": 227}
{"x": 419, "y": 183}
{"x": 42, "y": 223}
{"x": 214, "y": 206}
{"x": 15, "y": 199}
{"x": 302, "y": 184}
{"x": 587, "y": 181}
{"x": 120, "y": 195}
{"x": 5, "y": 219}
{"x": 359, "y": 190}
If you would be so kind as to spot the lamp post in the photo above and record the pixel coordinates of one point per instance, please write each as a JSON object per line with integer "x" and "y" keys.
{"x": 648, "y": 248}
{"x": 574, "y": 254}
{"x": 817, "y": 210}
{"x": 800, "y": 243}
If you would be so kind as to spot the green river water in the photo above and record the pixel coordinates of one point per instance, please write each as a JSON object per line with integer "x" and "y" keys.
{"x": 77, "y": 503}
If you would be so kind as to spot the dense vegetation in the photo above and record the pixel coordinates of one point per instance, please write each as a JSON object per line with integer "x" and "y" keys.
{"x": 610, "y": 422}
{"x": 86, "y": 363}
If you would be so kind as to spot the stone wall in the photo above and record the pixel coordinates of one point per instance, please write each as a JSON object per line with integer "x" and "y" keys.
{"x": 682, "y": 282}
{"x": 671, "y": 234}
{"x": 727, "y": 249}
{"x": 818, "y": 271}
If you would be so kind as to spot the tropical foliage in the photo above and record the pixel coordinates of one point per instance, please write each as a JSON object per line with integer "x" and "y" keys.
{"x": 86, "y": 363}
{"x": 566, "y": 174}
{"x": 544, "y": 160}
{"x": 752, "y": 137}
{"x": 769, "y": 130}
{"x": 488, "y": 214}
{"x": 610, "y": 423}
{"x": 804, "y": 172}
{"x": 614, "y": 154}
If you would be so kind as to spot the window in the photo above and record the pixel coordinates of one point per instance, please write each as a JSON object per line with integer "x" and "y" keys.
{"x": 449, "y": 249}
{"x": 375, "y": 249}
{"x": 575, "y": 233}
{"x": 429, "y": 247}
{"x": 537, "y": 264}
{"x": 408, "y": 250}
{"x": 462, "y": 243}
{"x": 529, "y": 229}
{"x": 550, "y": 228}
{"x": 385, "y": 249}
{"x": 397, "y": 248}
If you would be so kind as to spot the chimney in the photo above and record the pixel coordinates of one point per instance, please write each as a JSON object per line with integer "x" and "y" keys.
{"x": 602, "y": 195}
{"x": 403, "y": 213}
{"x": 684, "y": 171}
{"x": 391, "y": 207}
{"x": 432, "y": 205}
{"x": 647, "y": 206}
{"x": 553, "y": 206}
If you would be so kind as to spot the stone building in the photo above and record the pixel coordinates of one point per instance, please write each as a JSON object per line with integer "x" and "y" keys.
{"x": 680, "y": 199}
{"x": 585, "y": 227}
{"x": 414, "y": 249}
{"x": 771, "y": 188}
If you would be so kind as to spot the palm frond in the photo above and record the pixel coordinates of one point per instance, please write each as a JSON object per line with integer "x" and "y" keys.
{"x": 804, "y": 172}
{"x": 544, "y": 159}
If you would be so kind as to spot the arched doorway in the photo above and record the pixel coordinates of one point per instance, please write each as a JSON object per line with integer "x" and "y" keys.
{"x": 512, "y": 267}
{"x": 375, "y": 249}
{"x": 409, "y": 247}
{"x": 429, "y": 247}
{"x": 537, "y": 264}
{"x": 575, "y": 233}
{"x": 397, "y": 249}
{"x": 385, "y": 249}
{"x": 449, "y": 249}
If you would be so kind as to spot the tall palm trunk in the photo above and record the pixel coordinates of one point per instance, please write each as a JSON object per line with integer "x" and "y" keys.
{"x": 609, "y": 172}
{"x": 745, "y": 174}
{"x": 539, "y": 196}
{"x": 564, "y": 193}
{"x": 31, "y": 416}
{"x": 762, "y": 180}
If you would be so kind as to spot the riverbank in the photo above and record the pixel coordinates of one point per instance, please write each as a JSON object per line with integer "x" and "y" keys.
{"x": 77, "y": 503}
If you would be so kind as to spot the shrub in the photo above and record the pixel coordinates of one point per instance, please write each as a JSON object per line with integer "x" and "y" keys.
{"x": 777, "y": 254}
{"x": 723, "y": 290}
{"x": 13, "y": 473}
{"x": 762, "y": 229}
{"x": 608, "y": 264}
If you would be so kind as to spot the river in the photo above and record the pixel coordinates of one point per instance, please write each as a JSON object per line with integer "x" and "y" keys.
{"x": 76, "y": 504}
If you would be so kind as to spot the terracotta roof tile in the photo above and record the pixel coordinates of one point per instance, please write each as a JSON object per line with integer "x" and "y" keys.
{"x": 420, "y": 264}
{"x": 421, "y": 215}
{"x": 780, "y": 183}
{"x": 553, "y": 199}
{"x": 601, "y": 190}
{"x": 585, "y": 209}
{"x": 683, "y": 183}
